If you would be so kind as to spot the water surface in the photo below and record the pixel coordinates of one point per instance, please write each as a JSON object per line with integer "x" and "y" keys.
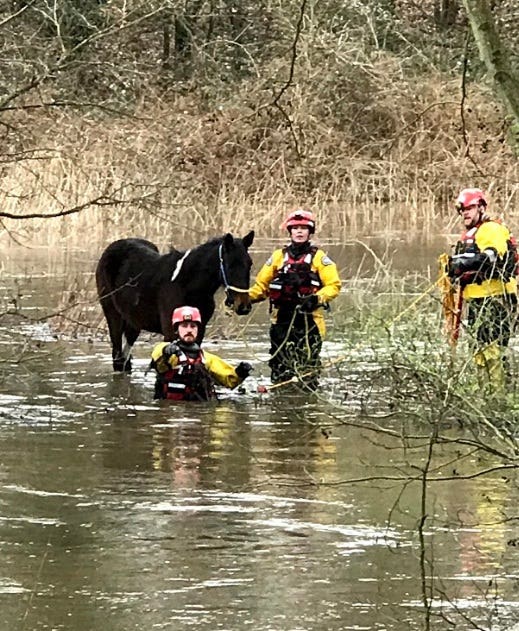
{"x": 118, "y": 512}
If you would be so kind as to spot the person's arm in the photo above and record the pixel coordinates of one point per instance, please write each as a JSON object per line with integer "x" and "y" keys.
{"x": 260, "y": 290}
{"x": 492, "y": 238}
{"x": 223, "y": 373}
{"x": 492, "y": 241}
{"x": 164, "y": 356}
{"x": 329, "y": 276}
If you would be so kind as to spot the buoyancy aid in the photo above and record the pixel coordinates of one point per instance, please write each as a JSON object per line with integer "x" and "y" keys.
{"x": 505, "y": 268}
{"x": 295, "y": 279}
{"x": 189, "y": 380}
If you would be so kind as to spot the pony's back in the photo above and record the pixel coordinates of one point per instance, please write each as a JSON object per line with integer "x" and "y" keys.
{"x": 124, "y": 252}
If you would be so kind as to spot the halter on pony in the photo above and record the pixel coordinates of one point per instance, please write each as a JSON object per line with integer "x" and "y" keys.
{"x": 228, "y": 288}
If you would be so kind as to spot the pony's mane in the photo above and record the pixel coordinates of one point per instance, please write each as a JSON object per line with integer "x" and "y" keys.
{"x": 201, "y": 247}
{"x": 198, "y": 254}
{"x": 208, "y": 244}
{"x": 198, "y": 248}
{"x": 198, "y": 259}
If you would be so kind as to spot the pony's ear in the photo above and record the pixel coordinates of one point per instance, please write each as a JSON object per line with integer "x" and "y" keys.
{"x": 228, "y": 240}
{"x": 248, "y": 239}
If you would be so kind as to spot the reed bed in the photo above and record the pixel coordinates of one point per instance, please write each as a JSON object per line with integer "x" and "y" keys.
{"x": 175, "y": 169}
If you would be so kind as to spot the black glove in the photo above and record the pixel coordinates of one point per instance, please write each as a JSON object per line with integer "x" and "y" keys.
{"x": 467, "y": 269}
{"x": 457, "y": 266}
{"x": 243, "y": 370}
{"x": 309, "y": 304}
{"x": 171, "y": 349}
{"x": 462, "y": 263}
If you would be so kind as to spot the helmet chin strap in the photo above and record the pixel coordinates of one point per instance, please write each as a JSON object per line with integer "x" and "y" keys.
{"x": 481, "y": 217}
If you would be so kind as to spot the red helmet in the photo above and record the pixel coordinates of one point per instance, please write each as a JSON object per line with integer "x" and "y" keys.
{"x": 300, "y": 218}
{"x": 186, "y": 314}
{"x": 469, "y": 197}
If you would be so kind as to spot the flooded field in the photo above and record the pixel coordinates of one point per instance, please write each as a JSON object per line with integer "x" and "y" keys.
{"x": 278, "y": 511}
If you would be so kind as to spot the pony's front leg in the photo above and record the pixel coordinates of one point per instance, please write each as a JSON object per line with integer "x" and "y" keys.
{"x": 122, "y": 362}
{"x": 122, "y": 359}
{"x": 115, "y": 329}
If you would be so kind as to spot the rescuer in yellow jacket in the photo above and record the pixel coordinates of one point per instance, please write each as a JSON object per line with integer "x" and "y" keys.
{"x": 185, "y": 372}
{"x": 485, "y": 265}
{"x": 299, "y": 280}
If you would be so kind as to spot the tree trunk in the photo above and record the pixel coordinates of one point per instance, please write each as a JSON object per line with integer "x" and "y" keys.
{"x": 496, "y": 59}
{"x": 445, "y": 13}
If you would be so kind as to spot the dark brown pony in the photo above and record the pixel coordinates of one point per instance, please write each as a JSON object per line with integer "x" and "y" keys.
{"x": 138, "y": 287}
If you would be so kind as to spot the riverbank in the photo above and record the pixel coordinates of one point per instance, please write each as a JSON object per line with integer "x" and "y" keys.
{"x": 173, "y": 167}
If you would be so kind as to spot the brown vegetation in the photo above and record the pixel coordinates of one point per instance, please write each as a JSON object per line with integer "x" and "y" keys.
{"x": 373, "y": 140}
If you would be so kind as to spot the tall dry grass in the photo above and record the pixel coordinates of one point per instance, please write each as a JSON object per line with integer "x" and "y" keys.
{"x": 370, "y": 147}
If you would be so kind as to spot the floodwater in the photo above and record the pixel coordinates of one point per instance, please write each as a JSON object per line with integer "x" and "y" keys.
{"x": 274, "y": 511}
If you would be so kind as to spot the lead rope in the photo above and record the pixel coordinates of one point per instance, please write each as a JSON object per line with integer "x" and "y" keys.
{"x": 337, "y": 360}
{"x": 285, "y": 340}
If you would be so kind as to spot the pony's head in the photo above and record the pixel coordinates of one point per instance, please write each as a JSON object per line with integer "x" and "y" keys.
{"x": 235, "y": 266}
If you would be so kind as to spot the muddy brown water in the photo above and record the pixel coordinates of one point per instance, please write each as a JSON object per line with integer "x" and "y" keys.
{"x": 118, "y": 512}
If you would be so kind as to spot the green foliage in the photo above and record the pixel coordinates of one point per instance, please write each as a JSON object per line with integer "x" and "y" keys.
{"x": 399, "y": 363}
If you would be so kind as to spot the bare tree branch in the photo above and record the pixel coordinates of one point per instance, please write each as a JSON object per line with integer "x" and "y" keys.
{"x": 276, "y": 102}
{"x": 17, "y": 13}
{"x": 105, "y": 199}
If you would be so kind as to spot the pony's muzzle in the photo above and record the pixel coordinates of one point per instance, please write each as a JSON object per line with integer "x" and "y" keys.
{"x": 240, "y": 302}
{"x": 243, "y": 309}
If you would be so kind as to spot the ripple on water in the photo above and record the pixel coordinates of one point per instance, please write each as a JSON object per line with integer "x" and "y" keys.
{"x": 42, "y": 412}
{"x": 29, "y": 491}
{"x": 8, "y": 586}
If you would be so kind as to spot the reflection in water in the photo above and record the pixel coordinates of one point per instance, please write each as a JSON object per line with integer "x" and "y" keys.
{"x": 119, "y": 512}
{"x": 177, "y": 449}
